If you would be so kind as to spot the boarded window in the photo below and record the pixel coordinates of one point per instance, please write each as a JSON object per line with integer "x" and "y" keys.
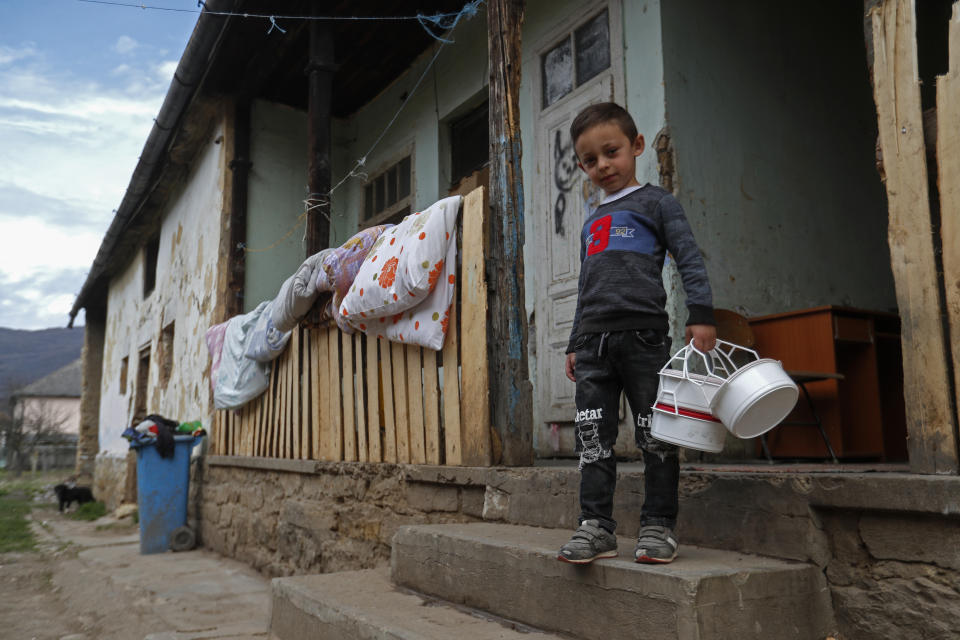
{"x": 387, "y": 194}
{"x": 579, "y": 57}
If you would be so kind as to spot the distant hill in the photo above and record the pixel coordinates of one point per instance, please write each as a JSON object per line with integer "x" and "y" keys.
{"x": 26, "y": 356}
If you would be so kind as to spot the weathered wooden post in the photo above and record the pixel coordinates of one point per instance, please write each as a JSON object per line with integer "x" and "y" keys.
{"x": 510, "y": 388}
{"x": 892, "y": 55}
{"x": 238, "y": 144}
{"x": 320, "y": 70}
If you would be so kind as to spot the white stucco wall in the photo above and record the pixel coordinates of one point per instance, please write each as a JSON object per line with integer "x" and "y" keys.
{"x": 184, "y": 293}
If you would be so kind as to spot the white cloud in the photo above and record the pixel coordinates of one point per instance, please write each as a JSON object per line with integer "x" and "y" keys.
{"x": 69, "y": 148}
{"x": 58, "y": 304}
{"x": 165, "y": 70}
{"x": 29, "y": 245}
{"x": 10, "y": 54}
{"x": 125, "y": 44}
{"x": 43, "y": 300}
{"x": 70, "y": 140}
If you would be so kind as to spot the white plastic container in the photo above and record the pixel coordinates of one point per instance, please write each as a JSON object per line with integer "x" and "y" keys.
{"x": 682, "y": 413}
{"x": 755, "y": 397}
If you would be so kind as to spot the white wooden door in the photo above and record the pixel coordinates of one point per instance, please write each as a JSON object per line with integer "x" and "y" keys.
{"x": 564, "y": 194}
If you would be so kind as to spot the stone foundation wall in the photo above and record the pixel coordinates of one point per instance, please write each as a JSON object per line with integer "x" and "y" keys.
{"x": 318, "y": 517}
{"x": 889, "y": 544}
{"x": 115, "y": 480}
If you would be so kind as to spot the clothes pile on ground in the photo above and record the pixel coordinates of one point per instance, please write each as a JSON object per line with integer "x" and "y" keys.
{"x": 393, "y": 282}
{"x": 155, "y": 429}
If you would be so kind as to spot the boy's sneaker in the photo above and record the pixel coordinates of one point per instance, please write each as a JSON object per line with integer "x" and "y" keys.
{"x": 589, "y": 542}
{"x": 656, "y": 545}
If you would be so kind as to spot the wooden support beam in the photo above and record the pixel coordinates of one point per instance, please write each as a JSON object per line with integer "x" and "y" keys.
{"x": 948, "y": 159}
{"x": 240, "y": 169}
{"x": 931, "y": 430}
{"x": 511, "y": 393}
{"x": 475, "y": 430}
{"x": 320, "y": 70}
{"x": 451, "y": 390}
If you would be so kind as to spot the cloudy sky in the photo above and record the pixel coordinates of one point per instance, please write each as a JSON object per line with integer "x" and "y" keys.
{"x": 80, "y": 84}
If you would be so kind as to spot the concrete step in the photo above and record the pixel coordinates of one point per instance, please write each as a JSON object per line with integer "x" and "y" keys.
{"x": 365, "y": 605}
{"x": 705, "y": 594}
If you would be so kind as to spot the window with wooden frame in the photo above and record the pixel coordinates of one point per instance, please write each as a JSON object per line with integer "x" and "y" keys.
{"x": 387, "y": 195}
{"x": 580, "y": 56}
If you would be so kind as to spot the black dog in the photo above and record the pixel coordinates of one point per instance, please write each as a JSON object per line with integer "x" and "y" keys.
{"x": 66, "y": 495}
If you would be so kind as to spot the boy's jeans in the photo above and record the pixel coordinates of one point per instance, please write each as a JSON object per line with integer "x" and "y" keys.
{"x": 607, "y": 363}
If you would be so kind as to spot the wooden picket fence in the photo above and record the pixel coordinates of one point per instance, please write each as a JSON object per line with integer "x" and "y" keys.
{"x": 340, "y": 397}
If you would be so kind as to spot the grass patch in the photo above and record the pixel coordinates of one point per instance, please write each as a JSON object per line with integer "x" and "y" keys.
{"x": 89, "y": 511}
{"x": 17, "y": 493}
{"x": 29, "y": 482}
{"x": 15, "y": 533}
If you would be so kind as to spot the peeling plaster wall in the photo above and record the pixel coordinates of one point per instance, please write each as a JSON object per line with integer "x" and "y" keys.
{"x": 185, "y": 289}
{"x": 773, "y": 123}
{"x": 275, "y": 194}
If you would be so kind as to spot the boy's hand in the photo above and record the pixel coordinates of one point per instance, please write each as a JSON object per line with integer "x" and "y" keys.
{"x": 571, "y": 365}
{"x": 703, "y": 336}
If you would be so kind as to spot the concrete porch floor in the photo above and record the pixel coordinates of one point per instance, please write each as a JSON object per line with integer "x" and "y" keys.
{"x": 753, "y": 466}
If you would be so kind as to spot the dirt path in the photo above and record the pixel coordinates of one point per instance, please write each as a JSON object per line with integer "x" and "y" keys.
{"x": 52, "y": 594}
{"x": 87, "y": 581}
{"x": 29, "y": 604}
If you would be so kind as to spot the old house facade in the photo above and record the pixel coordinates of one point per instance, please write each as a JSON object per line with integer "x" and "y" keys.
{"x": 769, "y": 125}
{"x": 45, "y": 421}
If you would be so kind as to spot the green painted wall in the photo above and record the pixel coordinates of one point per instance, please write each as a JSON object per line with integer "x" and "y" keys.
{"x": 277, "y": 188}
{"x": 773, "y": 122}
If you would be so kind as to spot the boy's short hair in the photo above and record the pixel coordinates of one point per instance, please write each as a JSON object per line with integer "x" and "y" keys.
{"x": 600, "y": 113}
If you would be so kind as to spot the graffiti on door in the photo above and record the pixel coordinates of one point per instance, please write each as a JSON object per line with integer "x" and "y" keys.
{"x": 564, "y": 176}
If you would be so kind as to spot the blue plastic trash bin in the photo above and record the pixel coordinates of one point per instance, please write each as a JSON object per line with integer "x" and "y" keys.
{"x": 162, "y": 489}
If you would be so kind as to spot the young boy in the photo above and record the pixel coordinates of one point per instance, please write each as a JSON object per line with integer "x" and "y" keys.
{"x": 619, "y": 339}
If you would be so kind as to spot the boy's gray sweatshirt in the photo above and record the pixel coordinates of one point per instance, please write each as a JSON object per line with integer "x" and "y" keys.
{"x": 622, "y": 247}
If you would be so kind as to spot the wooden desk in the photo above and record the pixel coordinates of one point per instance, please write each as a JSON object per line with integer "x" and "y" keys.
{"x": 863, "y": 414}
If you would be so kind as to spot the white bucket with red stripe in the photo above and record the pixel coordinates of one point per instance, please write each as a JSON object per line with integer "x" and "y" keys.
{"x": 682, "y": 413}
